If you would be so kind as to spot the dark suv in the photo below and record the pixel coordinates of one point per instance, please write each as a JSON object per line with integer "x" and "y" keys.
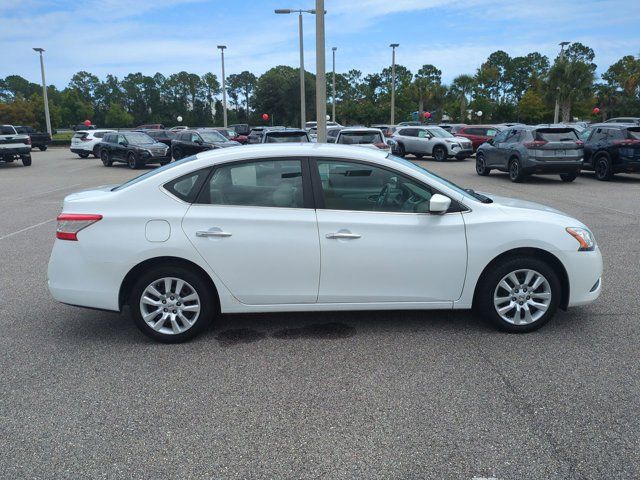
{"x": 524, "y": 150}
{"x": 611, "y": 148}
{"x": 162, "y": 136}
{"x": 136, "y": 149}
{"x": 190, "y": 142}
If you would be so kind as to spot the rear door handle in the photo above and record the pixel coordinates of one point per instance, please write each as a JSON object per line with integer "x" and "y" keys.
{"x": 343, "y": 235}
{"x": 213, "y": 232}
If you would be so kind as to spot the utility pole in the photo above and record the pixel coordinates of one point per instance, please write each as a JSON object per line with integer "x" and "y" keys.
{"x": 393, "y": 82}
{"x": 224, "y": 90}
{"x": 321, "y": 77}
{"x": 333, "y": 89}
{"x": 44, "y": 92}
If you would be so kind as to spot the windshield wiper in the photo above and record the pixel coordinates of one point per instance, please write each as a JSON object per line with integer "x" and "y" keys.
{"x": 479, "y": 196}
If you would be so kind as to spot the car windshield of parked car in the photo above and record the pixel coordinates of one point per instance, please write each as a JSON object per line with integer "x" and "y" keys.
{"x": 360, "y": 138}
{"x": 439, "y": 132}
{"x": 634, "y": 133}
{"x": 286, "y": 137}
{"x": 213, "y": 136}
{"x": 466, "y": 192}
{"x": 557, "y": 135}
{"x": 153, "y": 172}
{"x": 139, "y": 138}
{"x": 6, "y": 130}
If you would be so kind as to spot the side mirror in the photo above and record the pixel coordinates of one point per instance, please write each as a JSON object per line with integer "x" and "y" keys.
{"x": 199, "y": 142}
{"x": 439, "y": 204}
{"x": 122, "y": 143}
{"x": 490, "y": 141}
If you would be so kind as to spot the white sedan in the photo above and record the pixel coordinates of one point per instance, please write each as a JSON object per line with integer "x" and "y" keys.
{"x": 282, "y": 228}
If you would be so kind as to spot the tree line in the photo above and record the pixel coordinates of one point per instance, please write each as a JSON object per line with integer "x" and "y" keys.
{"x": 504, "y": 88}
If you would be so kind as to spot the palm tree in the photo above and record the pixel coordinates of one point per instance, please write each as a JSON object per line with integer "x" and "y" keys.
{"x": 461, "y": 88}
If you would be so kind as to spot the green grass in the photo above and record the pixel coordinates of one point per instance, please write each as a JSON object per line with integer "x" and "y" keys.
{"x": 65, "y": 136}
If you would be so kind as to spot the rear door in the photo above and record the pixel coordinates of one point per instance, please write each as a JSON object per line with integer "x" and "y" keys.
{"x": 255, "y": 226}
{"x": 557, "y": 145}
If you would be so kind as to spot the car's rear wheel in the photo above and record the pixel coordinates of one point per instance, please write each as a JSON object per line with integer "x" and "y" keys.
{"x": 96, "y": 151}
{"x": 481, "y": 166}
{"x": 26, "y": 160}
{"x": 42, "y": 148}
{"x": 171, "y": 304}
{"x": 439, "y": 153}
{"x": 417, "y": 155}
{"x": 568, "y": 177}
{"x": 515, "y": 171}
{"x": 83, "y": 155}
{"x": 177, "y": 153}
{"x": 519, "y": 295}
{"x": 105, "y": 156}
{"x": 603, "y": 168}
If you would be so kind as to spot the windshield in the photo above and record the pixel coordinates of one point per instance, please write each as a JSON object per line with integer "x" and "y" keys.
{"x": 153, "y": 172}
{"x": 439, "y": 132}
{"x": 468, "y": 193}
{"x": 360, "y": 138}
{"x": 139, "y": 138}
{"x": 212, "y": 136}
{"x": 7, "y": 130}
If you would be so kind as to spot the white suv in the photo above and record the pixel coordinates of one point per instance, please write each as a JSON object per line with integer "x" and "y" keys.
{"x": 86, "y": 142}
{"x": 434, "y": 141}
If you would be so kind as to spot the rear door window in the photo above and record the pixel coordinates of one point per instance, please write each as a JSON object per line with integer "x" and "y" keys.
{"x": 615, "y": 134}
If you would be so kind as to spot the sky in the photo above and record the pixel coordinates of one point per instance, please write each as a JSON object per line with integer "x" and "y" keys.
{"x": 167, "y": 36}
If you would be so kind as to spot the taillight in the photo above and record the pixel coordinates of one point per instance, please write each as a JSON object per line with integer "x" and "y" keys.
{"x": 29, "y": 141}
{"x": 69, "y": 224}
{"x": 85, "y": 139}
{"x": 579, "y": 143}
{"x": 381, "y": 145}
{"x": 535, "y": 144}
{"x": 626, "y": 143}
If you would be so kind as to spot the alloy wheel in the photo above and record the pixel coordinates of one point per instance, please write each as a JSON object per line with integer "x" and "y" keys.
{"x": 522, "y": 297}
{"x": 170, "y": 305}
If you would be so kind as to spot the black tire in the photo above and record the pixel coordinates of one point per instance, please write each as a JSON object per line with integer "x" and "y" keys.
{"x": 400, "y": 151}
{"x": 96, "y": 151}
{"x": 83, "y": 155}
{"x": 42, "y": 148}
{"x": 481, "y": 166}
{"x": 133, "y": 162}
{"x": 194, "y": 280}
{"x": 177, "y": 153}
{"x": 602, "y": 166}
{"x": 489, "y": 286}
{"x": 105, "y": 156}
{"x": 26, "y": 160}
{"x": 439, "y": 153}
{"x": 569, "y": 177}
{"x": 515, "y": 171}
{"x": 162, "y": 164}
{"x": 417, "y": 155}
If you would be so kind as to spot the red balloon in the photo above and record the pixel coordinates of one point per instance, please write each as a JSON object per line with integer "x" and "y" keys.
{"x": 427, "y": 114}
{"x": 87, "y": 122}
{"x": 265, "y": 116}
{"x": 596, "y": 111}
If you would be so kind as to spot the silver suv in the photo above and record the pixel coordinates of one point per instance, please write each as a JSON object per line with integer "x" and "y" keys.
{"x": 432, "y": 140}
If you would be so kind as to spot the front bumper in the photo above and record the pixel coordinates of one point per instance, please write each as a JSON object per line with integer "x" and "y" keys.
{"x": 584, "y": 270}
{"x": 156, "y": 159}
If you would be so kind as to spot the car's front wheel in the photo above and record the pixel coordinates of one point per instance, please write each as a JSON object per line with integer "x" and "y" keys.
{"x": 400, "y": 151}
{"x": 177, "y": 154}
{"x": 481, "y": 166}
{"x": 439, "y": 153}
{"x": 132, "y": 161}
{"x": 83, "y": 155}
{"x": 519, "y": 295}
{"x": 171, "y": 304}
{"x": 43, "y": 148}
{"x": 568, "y": 177}
{"x": 603, "y": 168}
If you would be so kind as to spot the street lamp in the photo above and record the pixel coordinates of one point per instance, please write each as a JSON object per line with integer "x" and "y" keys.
{"x": 44, "y": 91}
{"x": 224, "y": 91}
{"x": 282, "y": 11}
{"x": 393, "y": 82}
{"x": 333, "y": 89}
{"x": 556, "y": 113}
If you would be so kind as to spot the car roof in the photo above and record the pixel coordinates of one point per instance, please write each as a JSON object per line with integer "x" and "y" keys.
{"x": 359, "y": 129}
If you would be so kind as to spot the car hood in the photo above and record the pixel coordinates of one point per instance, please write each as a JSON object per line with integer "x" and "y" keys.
{"x": 522, "y": 204}
{"x": 230, "y": 143}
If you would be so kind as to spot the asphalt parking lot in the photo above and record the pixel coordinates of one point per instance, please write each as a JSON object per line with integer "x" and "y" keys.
{"x": 369, "y": 395}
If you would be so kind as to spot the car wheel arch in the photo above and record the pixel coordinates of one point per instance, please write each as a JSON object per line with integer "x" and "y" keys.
{"x": 538, "y": 253}
{"x": 131, "y": 276}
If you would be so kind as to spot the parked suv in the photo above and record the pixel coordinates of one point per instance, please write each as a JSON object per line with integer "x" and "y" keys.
{"x": 14, "y": 145}
{"x": 635, "y": 120}
{"x": 286, "y": 135}
{"x": 431, "y": 140}
{"x": 524, "y": 150}
{"x": 364, "y": 137}
{"x": 190, "y": 142}
{"x": 87, "y": 142}
{"x": 478, "y": 134}
{"x": 162, "y": 136}
{"x": 136, "y": 149}
{"x": 611, "y": 148}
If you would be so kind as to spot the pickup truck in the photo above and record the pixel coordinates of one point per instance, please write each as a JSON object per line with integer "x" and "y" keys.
{"x": 39, "y": 140}
{"x": 14, "y": 145}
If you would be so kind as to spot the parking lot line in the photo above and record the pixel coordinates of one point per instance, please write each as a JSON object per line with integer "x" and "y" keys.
{"x": 26, "y": 228}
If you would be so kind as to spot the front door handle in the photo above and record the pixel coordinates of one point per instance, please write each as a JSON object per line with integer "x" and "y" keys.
{"x": 343, "y": 235}
{"x": 214, "y": 232}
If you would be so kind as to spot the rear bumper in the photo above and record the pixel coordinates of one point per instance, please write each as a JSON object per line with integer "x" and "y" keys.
{"x": 80, "y": 150}
{"x": 13, "y": 151}
{"x": 551, "y": 166}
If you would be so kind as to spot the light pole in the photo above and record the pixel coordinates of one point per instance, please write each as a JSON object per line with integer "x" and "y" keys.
{"x": 44, "y": 91}
{"x": 333, "y": 88}
{"x": 224, "y": 91}
{"x": 556, "y": 113}
{"x": 303, "y": 101}
{"x": 393, "y": 82}
{"x": 321, "y": 75}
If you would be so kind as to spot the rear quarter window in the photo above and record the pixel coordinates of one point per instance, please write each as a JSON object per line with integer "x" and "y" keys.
{"x": 187, "y": 187}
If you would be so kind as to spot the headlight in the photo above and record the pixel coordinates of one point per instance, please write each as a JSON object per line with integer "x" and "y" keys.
{"x": 455, "y": 145}
{"x": 584, "y": 237}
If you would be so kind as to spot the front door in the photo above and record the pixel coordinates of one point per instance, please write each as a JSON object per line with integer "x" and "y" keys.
{"x": 378, "y": 241}
{"x": 253, "y": 225}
